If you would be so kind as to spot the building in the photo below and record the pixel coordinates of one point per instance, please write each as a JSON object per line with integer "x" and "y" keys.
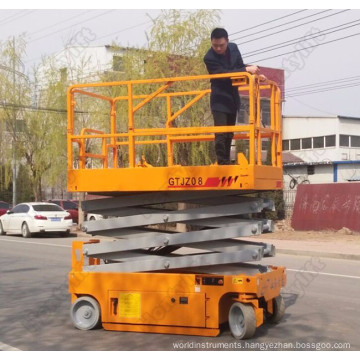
{"x": 327, "y": 149}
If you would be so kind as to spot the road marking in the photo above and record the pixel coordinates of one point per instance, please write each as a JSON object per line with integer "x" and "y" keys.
{"x": 5, "y": 347}
{"x": 35, "y": 243}
{"x": 322, "y": 273}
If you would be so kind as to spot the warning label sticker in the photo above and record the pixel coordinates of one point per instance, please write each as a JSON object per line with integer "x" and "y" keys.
{"x": 130, "y": 305}
{"x": 236, "y": 280}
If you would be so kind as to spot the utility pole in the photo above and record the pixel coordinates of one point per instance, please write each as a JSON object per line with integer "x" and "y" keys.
{"x": 14, "y": 175}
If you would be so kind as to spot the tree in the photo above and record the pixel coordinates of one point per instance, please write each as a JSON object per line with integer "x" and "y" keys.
{"x": 177, "y": 43}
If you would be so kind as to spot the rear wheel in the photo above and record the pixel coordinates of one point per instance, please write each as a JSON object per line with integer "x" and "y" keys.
{"x": 2, "y": 232}
{"x": 85, "y": 313}
{"x": 278, "y": 310}
{"x": 65, "y": 233}
{"x": 25, "y": 230}
{"x": 242, "y": 321}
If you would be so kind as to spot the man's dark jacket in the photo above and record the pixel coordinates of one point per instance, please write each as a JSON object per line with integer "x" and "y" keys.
{"x": 224, "y": 97}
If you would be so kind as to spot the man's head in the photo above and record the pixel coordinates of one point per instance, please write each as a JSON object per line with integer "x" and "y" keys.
{"x": 219, "y": 40}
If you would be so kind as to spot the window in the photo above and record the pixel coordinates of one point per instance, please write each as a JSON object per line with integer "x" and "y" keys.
{"x": 306, "y": 143}
{"x": 295, "y": 144}
{"x": 330, "y": 140}
{"x": 344, "y": 140}
{"x": 311, "y": 170}
{"x": 355, "y": 141}
{"x": 318, "y": 142}
{"x": 286, "y": 145}
{"x": 47, "y": 207}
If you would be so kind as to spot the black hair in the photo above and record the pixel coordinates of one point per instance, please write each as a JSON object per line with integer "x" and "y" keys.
{"x": 219, "y": 33}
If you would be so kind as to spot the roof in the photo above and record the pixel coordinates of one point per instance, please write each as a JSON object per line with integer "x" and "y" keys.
{"x": 288, "y": 157}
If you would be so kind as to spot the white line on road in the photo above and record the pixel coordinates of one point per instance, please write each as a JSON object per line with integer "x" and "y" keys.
{"x": 34, "y": 243}
{"x": 5, "y": 347}
{"x": 327, "y": 274}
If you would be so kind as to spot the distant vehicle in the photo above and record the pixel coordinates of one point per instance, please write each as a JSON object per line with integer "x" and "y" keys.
{"x": 71, "y": 206}
{"x": 4, "y": 207}
{"x": 91, "y": 217}
{"x": 38, "y": 217}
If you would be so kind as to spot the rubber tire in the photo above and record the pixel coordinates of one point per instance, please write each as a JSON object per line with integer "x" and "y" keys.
{"x": 2, "y": 232}
{"x": 278, "y": 310}
{"x": 92, "y": 218}
{"x": 25, "y": 232}
{"x": 293, "y": 183}
{"x": 242, "y": 321}
{"x": 85, "y": 313}
{"x": 65, "y": 233}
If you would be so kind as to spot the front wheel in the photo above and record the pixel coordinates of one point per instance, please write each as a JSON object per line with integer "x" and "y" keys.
{"x": 2, "y": 232}
{"x": 85, "y": 313}
{"x": 278, "y": 310}
{"x": 242, "y": 320}
{"x": 25, "y": 230}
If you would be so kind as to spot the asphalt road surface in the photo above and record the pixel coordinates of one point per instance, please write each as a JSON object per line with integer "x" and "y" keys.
{"x": 321, "y": 296}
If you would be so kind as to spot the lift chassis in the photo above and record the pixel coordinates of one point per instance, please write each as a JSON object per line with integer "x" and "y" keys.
{"x": 139, "y": 272}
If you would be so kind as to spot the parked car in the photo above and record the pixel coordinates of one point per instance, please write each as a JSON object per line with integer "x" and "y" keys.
{"x": 71, "y": 206}
{"x": 91, "y": 217}
{"x": 4, "y": 207}
{"x": 37, "y": 217}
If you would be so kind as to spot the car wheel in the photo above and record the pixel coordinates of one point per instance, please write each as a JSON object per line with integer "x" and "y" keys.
{"x": 2, "y": 232}
{"x": 65, "y": 233}
{"x": 25, "y": 230}
{"x": 92, "y": 218}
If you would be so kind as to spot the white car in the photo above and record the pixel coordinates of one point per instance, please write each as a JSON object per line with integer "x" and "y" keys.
{"x": 36, "y": 217}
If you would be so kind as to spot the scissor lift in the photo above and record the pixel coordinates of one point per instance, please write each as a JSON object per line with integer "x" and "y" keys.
{"x": 139, "y": 272}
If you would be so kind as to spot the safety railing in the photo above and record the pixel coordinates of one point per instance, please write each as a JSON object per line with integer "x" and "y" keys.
{"x": 168, "y": 134}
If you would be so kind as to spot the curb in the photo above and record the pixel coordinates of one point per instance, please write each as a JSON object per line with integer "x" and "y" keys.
{"x": 318, "y": 254}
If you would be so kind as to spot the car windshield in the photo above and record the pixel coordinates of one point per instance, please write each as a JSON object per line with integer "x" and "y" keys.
{"x": 47, "y": 207}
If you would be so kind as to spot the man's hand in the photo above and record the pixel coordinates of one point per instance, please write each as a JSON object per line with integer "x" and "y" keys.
{"x": 252, "y": 69}
{"x": 262, "y": 77}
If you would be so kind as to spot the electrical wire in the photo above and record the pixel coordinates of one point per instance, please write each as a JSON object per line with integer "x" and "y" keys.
{"x": 268, "y": 22}
{"x": 293, "y": 27}
{"x": 302, "y": 38}
{"x": 309, "y": 47}
{"x": 274, "y": 27}
{"x": 68, "y": 27}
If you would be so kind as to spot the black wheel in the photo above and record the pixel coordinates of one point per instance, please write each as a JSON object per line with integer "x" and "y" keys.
{"x": 242, "y": 321}
{"x": 293, "y": 183}
{"x": 65, "y": 233}
{"x": 92, "y": 218}
{"x": 25, "y": 230}
{"x": 278, "y": 310}
{"x": 85, "y": 313}
{"x": 305, "y": 182}
{"x": 2, "y": 232}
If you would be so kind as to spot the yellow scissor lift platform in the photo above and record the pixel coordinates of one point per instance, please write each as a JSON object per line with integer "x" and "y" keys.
{"x": 144, "y": 274}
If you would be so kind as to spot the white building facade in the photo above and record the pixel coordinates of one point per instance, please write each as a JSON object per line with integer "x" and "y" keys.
{"x": 329, "y": 149}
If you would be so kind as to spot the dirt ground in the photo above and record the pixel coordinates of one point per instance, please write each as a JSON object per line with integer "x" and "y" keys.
{"x": 283, "y": 231}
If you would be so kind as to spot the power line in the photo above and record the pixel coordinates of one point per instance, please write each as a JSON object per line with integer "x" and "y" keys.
{"x": 302, "y": 38}
{"x": 290, "y": 22}
{"x": 60, "y": 22}
{"x": 293, "y": 27}
{"x": 315, "y": 91}
{"x": 16, "y": 16}
{"x": 309, "y": 47}
{"x": 351, "y": 78}
{"x": 268, "y": 22}
{"x": 68, "y": 27}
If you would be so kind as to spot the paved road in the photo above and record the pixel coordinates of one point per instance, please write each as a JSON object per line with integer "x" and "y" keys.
{"x": 322, "y": 305}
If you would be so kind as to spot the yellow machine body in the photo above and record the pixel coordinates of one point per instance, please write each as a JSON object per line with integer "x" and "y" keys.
{"x": 175, "y": 303}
